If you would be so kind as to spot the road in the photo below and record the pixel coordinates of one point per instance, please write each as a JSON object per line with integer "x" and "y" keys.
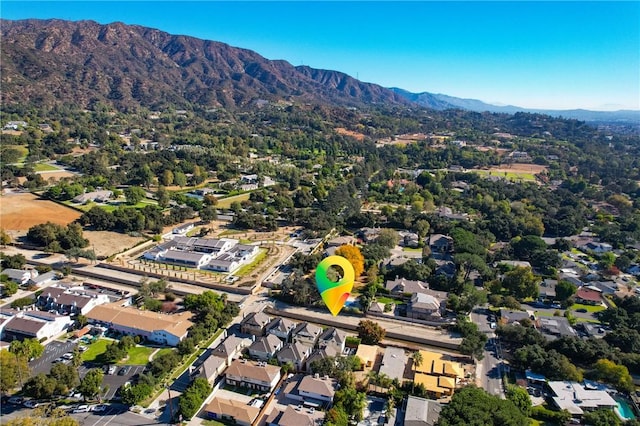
{"x": 490, "y": 369}
{"x": 52, "y": 351}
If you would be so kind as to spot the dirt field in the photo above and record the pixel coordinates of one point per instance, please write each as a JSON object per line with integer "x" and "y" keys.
{"x": 107, "y": 243}
{"x": 19, "y": 212}
{"x": 355, "y": 135}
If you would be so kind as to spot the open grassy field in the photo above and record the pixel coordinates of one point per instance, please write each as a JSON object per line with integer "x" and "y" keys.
{"x": 589, "y": 308}
{"x": 225, "y": 203}
{"x": 518, "y": 172}
{"x": 113, "y": 205}
{"x": 44, "y": 167}
{"x": 96, "y": 349}
{"x": 22, "y": 211}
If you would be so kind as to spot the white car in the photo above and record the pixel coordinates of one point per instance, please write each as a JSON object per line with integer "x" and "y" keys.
{"x": 81, "y": 409}
{"x": 31, "y": 404}
{"x": 68, "y": 355}
{"x": 99, "y": 408}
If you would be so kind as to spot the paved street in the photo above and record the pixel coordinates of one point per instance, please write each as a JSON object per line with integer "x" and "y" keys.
{"x": 490, "y": 369}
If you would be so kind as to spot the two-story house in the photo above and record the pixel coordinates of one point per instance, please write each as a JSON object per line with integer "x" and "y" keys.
{"x": 260, "y": 376}
{"x": 282, "y": 328}
{"x": 307, "y": 334}
{"x": 295, "y": 353}
{"x": 255, "y": 323}
{"x": 265, "y": 347}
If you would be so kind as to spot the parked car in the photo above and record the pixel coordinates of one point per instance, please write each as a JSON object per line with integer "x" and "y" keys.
{"x": 82, "y": 348}
{"x": 124, "y": 370}
{"x": 68, "y": 355}
{"x": 112, "y": 369}
{"x": 81, "y": 409}
{"x": 16, "y": 400}
{"x": 99, "y": 408}
{"x": 31, "y": 404}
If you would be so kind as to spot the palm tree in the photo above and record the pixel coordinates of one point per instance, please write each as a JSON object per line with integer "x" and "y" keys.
{"x": 417, "y": 363}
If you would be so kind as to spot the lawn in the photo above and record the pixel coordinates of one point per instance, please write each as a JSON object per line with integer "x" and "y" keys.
{"x": 95, "y": 350}
{"x": 213, "y": 423}
{"x": 589, "y": 308}
{"x": 112, "y": 206}
{"x": 162, "y": 352}
{"x": 225, "y": 203}
{"x": 246, "y": 269}
{"x": 411, "y": 249}
{"x": 138, "y": 355}
{"x": 44, "y": 167}
{"x": 385, "y": 300}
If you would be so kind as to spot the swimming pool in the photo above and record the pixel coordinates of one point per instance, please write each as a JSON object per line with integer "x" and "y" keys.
{"x": 352, "y": 303}
{"x": 624, "y": 410}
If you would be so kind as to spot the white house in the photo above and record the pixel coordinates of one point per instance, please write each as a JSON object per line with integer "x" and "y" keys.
{"x": 70, "y": 300}
{"x": 20, "y": 276}
{"x": 34, "y": 324}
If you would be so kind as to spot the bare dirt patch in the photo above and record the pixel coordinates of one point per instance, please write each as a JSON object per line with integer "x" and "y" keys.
{"x": 19, "y": 212}
{"x": 106, "y": 243}
{"x": 355, "y": 135}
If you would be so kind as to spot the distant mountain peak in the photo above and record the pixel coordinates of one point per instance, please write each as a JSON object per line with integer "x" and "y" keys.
{"x": 83, "y": 62}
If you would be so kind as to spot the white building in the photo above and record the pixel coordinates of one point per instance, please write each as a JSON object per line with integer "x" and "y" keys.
{"x": 574, "y": 398}
{"x": 33, "y": 324}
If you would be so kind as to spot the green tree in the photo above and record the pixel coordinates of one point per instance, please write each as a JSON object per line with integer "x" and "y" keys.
{"x": 617, "y": 375}
{"x": 180, "y": 179}
{"x": 10, "y": 287}
{"x": 40, "y": 386}
{"x": 473, "y": 406}
{"x": 521, "y": 283}
{"x": 13, "y": 371}
{"x": 27, "y": 348}
{"x": 564, "y": 290}
{"x": 90, "y": 384}
{"x": 167, "y": 178}
{"x": 602, "y": 417}
{"x": 66, "y": 378}
{"x": 370, "y": 332}
{"x": 134, "y": 194}
{"x": 520, "y": 398}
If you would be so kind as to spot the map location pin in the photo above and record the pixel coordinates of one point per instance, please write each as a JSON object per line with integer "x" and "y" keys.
{"x": 335, "y": 294}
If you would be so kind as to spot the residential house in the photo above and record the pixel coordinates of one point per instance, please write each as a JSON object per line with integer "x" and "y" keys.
{"x": 345, "y": 240}
{"x": 265, "y": 347}
{"x": 259, "y": 376}
{"x": 401, "y": 286}
{"x": 421, "y": 412}
{"x": 281, "y": 327}
{"x": 230, "y": 348}
{"x": 255, "y": 323}
{"x": 409, "y": 239}
{"x": 576, "y": 399}
{"x": 508, "y": 316}
{"x": 291, "y": 417}
{"x": 225, "y": 262}
{"x": 73, "y": 300}
{"x": 333, "y": 337}
{"x": 377, "y": 308}
{"x": 547, "y": 289}
{"x": 210, "y": 369}
{"x": 32, "y": 324}
{"x": 446, "y": 268}
{"x": 439, "y": 243}
{"x": 438, "y": 375}
{"x": 394, "y": 362}
{"x": 312, "y": 390}
{"x": 295, "y": 353}
{"x": 183, "y": 229}
{"x": 596, "y": 247}
{"x": 165, "y": 329}
{"x": 514, "y": 263}
{"x": 605, "y": 287}
{"x": 43, "y": 279}
{"x": 555, "y": 327}
{"x": 20, "y": 276}
{"x": 369, "y": 235}
{"x": 186, "y": 258}
{"x": 589, "y": 295}
{"x": 320, "y": 354}
{"x": 367, "y": 354}
{"x": 306, "y": 333}
{"x": 425, "y": 306}
{"x": 96, "y": 196}
{"x": 232, "y": 411}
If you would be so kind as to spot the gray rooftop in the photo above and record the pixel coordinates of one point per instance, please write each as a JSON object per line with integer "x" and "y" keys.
{"x": 421, "y": 412}
{"x": 393, "y": 363}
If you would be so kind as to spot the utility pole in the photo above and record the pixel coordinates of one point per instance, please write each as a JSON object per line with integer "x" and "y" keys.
{"x": 170, "y": 406}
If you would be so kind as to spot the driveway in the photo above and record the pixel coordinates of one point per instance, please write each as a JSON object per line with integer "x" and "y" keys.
{"x": 52, "y": 351}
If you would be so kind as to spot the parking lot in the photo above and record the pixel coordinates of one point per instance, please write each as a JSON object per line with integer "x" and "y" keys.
{"x": 52, "y": 351}
{"x": 114, "y": 381}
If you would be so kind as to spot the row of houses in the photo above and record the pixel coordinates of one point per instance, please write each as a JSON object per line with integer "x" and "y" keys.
{"x": 221, "y": 255}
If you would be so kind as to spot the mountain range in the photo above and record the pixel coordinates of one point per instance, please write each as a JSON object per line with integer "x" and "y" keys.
{"x": 84, "y": 62}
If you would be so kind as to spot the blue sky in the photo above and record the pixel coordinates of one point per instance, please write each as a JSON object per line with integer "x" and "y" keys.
{"x": 546, "y": 54}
